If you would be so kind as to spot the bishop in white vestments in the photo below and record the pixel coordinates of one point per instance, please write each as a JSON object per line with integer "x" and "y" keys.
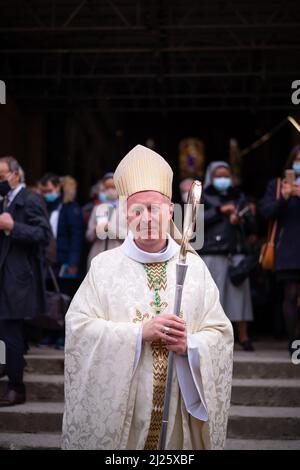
{"x": 120, "y": 330}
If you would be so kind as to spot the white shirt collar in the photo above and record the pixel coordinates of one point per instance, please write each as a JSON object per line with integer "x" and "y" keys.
{"x": 131, "y": 250}
{"x": 14, "y": 192}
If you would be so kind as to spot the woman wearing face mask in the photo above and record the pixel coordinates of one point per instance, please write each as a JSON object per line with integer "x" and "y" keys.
{"x": 103, "y": 220}
{"x": 225, "y": 230}
{"x": 286, "y": 210}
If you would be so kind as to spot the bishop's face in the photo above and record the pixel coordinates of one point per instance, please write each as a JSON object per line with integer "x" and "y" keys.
{"x": 148, "y": 215}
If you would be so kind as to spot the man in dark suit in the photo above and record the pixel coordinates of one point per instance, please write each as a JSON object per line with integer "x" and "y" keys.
{"x": 24, "y": 231}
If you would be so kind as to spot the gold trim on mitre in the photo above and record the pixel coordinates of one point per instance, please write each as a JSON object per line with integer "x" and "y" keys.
{"x": 142, "y": 169}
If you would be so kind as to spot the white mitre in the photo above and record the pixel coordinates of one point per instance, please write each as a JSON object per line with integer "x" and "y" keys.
{"x": 142, "y": 169}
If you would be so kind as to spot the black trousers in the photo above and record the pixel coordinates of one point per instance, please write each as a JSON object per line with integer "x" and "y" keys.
{"x": 11, "y": 332}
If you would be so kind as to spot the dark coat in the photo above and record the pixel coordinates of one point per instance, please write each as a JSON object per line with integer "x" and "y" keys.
{"x": 287, "y": 241}
{"x": 22, "y": 289}
{"x": 220, "y": 236}
{"x": 70, "y": 233}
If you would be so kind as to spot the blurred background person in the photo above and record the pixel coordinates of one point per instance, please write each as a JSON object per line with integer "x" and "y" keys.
{"x": 101, "y": 231}
{"x": 184, "y": 188}
{"x": 66, "y": 222}
{"x": 67, "y": 225}
{"x": 286, "y": 210}
{"x": 87, "y": 209}
{"x": 50, "y": 249}
{"x": 225, "y": 233}
{"x": 33, "y": 330}
{"x": 24, "y": 232}
{"x": 97, "y": 196}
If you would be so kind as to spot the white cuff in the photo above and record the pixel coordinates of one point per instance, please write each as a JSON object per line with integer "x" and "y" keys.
{"x": 190, "y": 383}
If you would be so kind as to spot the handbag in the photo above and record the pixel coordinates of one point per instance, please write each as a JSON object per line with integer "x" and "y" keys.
{"x": 57, "y": 305}
{"x": 239, "y": 273}
{"x": 267, "y": 253}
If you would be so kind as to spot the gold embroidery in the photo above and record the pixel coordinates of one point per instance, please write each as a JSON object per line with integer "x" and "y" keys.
{"x": 160, "y": 356}
{"x": 162, "y": 306}
{"x": 140, "y": 316}
{"x": 155, "y": 269}
{"x": 160, "y": 367}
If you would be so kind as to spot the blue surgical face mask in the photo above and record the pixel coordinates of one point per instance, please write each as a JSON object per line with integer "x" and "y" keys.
{"x": 222, "y": 183}
{"x": 51, "y": 197}
{"x": 102, "y": 196}
{"x": 296, "y": 168}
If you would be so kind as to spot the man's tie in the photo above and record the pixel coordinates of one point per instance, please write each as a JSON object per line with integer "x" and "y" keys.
{"x": 5, "y": 203}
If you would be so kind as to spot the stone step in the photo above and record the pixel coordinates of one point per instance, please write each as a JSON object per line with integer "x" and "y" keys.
{"x": 275, "y": 423}
{"x": 259, "y": 422}
{"x": 264, "y": 365}
{"x": 45, "y": 364}
{"x": 256, "y": 392}
{"x": 30, "y": 441}
{"x": 266, "y": 392}
{"x": 51, "y": 441}
{"x": 252, "y": 444}
{"x": 261, "y": 364}
{"x": 42, "y": 387}
{"x": 32, "y": 417}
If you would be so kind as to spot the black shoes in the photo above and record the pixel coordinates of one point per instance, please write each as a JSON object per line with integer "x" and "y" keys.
{"x": 12, "y": 397}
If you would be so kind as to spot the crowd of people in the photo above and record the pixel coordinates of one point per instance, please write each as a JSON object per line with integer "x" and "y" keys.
{"x": 45, "y": 233}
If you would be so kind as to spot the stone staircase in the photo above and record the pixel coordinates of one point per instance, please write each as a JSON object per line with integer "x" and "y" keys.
{"x": 265, "y": 411}
{"x": 265, "y": 400}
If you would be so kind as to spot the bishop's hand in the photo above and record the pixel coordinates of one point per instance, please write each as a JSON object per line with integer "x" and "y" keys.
{"x": 168, "y": 328}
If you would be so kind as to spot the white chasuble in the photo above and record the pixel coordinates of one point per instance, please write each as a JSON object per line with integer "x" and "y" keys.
{"x": 115, "y": 383}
